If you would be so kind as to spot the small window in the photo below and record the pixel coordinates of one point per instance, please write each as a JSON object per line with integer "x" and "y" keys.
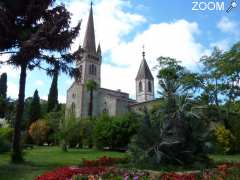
{"x": 73, "y": 108}
{"x": 80, "y": 72}
{"x": 92, "y": 69}
{"x": 149, "y": 86}
{"x": 140, "y": 87}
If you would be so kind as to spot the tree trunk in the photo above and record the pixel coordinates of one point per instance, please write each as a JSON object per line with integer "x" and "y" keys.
{"x": 17, "y": 153}
{"x": 90, "y": 109}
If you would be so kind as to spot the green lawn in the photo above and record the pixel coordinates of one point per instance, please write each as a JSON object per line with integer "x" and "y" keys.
{"x": 226, "y": 158}
{"x": 43, "y": 159}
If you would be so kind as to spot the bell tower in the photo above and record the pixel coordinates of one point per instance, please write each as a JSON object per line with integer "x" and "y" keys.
{"x": 144, "y": 82}
{"x": 90, "y": 59}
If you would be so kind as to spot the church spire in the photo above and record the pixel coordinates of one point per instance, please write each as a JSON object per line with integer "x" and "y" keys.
{"x": 99, "y": 51}
{"x": 89, "y": 39}
{"x": 144, "y": 71}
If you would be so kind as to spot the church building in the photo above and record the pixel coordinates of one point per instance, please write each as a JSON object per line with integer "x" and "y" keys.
{"x": 113, "y": 102}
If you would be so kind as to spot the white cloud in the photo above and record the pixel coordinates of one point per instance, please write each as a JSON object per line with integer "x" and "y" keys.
{"x": 228, "y": 26}
{"x": 10, "y": 70}
{"x": 39, "y": 83}
{"x": 12, "y": 90}
{"x": 111, "y": 21}
{"x": 175, "y": 40}
{"x": 62, "y": 99}
{"x": 224, "y": 44}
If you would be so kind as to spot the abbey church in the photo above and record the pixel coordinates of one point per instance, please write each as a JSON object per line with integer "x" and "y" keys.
{"x": 104, "y": 100}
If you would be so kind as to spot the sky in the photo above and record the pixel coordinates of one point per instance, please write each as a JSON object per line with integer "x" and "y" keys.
{"x": 185, "y": 30}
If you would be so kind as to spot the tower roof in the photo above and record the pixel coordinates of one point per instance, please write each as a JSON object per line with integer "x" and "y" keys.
{"x": 144, "y": 71}
{"x": 89, "y": 39}
{"x": 99, "y": 51}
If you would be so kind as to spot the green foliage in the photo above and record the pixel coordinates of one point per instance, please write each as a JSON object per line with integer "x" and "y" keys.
{"x": 115, "y": 132}
{"x": 39, "y": 131}
{"x": 174, "y": 133}
{"x": 3, "y": 85}
{"x": 3, "y": 94}
{"x": 225, "y": 139}
{"x": 69, "y": 132}
{"x": 34, "y": 109}
{"x": 54, "y": 120}
{"x": 53, "y": 93}
{"x": 5, "y": 139}
{"x": 32, "y": 22}
{"x": 91, "y": 86}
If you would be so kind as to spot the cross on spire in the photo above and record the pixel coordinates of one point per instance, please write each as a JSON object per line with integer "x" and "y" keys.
{"x": 143, "y": 53}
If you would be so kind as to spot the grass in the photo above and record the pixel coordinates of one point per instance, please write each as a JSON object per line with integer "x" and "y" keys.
{"x": 43, "y": 159}
{"x": 226, "y": 158}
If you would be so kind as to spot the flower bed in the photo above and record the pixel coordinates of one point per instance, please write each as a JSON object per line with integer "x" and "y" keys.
{"x": 66, "y": 173}
{"x": 222, "y": 172}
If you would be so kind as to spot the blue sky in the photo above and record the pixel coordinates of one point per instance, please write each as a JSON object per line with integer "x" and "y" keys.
{"x": 166, "y": 28}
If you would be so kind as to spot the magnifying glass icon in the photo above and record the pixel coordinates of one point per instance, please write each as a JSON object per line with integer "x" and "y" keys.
{"x": 232, "y": 5}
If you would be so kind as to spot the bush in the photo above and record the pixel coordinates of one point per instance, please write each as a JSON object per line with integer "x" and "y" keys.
{"x": 115, "y": 132}
{"x": 225, "y": 139}
{"x": 39, "y": 131}
{"x": 6, "y": 133}
{"x": 5, "y": 139}
{"x": 53, "y": 120}
{"x": 70, "y": 132}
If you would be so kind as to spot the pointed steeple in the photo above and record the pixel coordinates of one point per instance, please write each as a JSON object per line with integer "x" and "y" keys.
{"x": 89, "y": 39}
{"x": 144, "y": 71}
{"x": 99, "y": 51}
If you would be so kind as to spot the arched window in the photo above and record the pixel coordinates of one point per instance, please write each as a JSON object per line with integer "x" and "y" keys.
{"x": 92, "y": 69}
{"x": 73, "y": 108}
{"x": 149, "y": 86}
{"x": 140, "y": 87}
{"x": 80, "y": 73}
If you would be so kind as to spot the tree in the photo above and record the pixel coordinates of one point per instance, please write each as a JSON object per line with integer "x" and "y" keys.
{"x": 53, "y": 92}
{"x": 34, "y": 109}
{"x": 39, "y": 131}
{"x": 178, "y": 136}
{"x": 91, "y": 87}
{"x": 27, "y": 30}
{"x": 3, "y": 94}
{"x": 3, "y": 85}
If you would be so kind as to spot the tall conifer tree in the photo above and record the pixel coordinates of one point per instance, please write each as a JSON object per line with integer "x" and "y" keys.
{"x": 35, "y": 109}
{"x": 3, "y": 94}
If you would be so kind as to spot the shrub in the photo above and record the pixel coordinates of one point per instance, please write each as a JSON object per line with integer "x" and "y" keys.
{"x": 104, "y": 161}
{"x": 70, "y": 132}
{"x": 115, "y": 132}
{"x": 5, "y": 139}
{"x": 6, "y": 133}
{"x": 224, "y": 138}
{"x": 53, "y": 120}
{"x": 39, "y": 131}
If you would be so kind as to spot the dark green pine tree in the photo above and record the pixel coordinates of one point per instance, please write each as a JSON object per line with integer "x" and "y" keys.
{"x": 3, "y": 85}
{"x": 3, "y": 94}
{"x": 28, "y": 30}
{"x": 34, "y": 109}
{"x": 53, "y": 92}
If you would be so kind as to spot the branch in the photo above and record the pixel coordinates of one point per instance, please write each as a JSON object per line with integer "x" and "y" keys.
{"x": 8, "y": 52}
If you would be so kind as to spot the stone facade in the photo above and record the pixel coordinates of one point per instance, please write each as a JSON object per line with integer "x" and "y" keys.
{"x": 114, "y": 103}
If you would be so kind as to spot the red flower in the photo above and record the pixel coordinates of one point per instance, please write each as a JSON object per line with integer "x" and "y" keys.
{"x": 66, "y": 173}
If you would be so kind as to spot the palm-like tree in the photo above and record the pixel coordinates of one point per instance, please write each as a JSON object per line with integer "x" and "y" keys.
{"x": 91, "y": 87}
{"x": 27, "y": 30}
